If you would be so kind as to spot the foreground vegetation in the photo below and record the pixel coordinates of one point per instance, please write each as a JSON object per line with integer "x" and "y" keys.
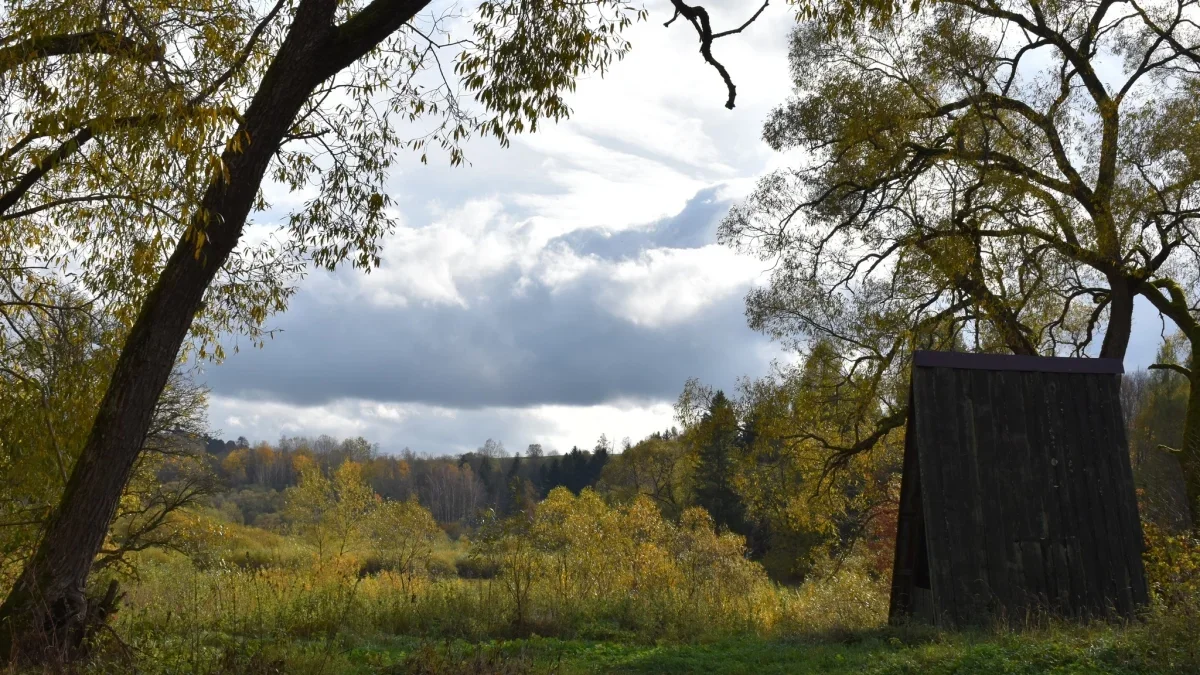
{"x": 883, "y": 652}
{"x": 182, "y": 620}
{"x": 575, "y": 585}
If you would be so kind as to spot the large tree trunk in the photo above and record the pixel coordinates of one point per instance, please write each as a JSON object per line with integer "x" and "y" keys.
{"x": 44, "y": 616}
{"x": 1120, "y": 318}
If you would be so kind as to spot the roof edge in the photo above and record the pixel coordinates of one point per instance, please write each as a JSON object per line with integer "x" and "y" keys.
{"x": 1039, "y": 364}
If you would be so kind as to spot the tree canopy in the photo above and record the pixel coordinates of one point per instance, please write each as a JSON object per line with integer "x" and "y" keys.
{"x": 998, "y": 175}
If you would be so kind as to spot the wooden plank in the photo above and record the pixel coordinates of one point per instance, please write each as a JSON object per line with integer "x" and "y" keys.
{"x": 1063, "y": 482}
{"x": 1050, "y": 461}
{"x": 1124, "y": 527}
{"x": 958, "y": 465}
{"x": 1118, "y": 600}
{"x": 1018, "y": 434}
{"x": 927, "y": 422}
{"x": 939, "y": 472}
{"x": 1090, "y": 509}
{"x": 1031, "y": 509}
{"x": 908, "y": 521}
{"x": 1044, "y": 466}
{"x": 1138, "y": 586}
{"x": 994, "y": 479}
{"x": 1031, "y": 488}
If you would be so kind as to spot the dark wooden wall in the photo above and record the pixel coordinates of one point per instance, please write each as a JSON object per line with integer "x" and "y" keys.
{"x": 1018, "y": 488}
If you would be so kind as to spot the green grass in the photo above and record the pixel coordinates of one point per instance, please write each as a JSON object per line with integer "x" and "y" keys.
{"x": 1159, "y": 646}
{"x": 1102, "y": 651}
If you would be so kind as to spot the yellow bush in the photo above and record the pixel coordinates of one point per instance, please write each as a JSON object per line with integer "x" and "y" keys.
{"x": 578, "y": 561}
{"x": 1172, "y": 566}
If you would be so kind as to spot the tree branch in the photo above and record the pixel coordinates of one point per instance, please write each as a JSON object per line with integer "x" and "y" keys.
{"x": 92, "y": 42}
{"x": 367, "y": 28}
{"x": 698, "y": 16}
{"x": 1186, "y": 372}
{"x": 43, "y": 166}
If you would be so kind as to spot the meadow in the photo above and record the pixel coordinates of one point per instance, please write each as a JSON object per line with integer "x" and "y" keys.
{"x": 633, "y": 593}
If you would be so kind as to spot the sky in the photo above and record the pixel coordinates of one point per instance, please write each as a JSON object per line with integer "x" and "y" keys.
{"x": 560, "y": 289}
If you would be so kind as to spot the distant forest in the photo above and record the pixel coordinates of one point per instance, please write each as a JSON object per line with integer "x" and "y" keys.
{"x": 454, "y": 489}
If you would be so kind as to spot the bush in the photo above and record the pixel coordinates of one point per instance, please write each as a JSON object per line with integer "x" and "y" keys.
{"x": 440, "y": 568}
{"x": 678, "y": 584}
{"x": 469, "y": 567}
{"x": 1172, "y": 566}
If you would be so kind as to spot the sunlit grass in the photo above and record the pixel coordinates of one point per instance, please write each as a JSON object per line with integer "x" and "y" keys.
{"x": 285, "y": 611}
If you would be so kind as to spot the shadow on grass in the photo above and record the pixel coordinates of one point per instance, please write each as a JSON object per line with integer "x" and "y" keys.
{"x": 914, "y": 650}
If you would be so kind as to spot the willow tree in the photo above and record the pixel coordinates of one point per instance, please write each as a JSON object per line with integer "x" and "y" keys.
{"x": 1017, "y": 172}
{"x": 138, "y": 137}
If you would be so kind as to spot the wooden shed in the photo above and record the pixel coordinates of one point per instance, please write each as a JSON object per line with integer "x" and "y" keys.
{"x": 1017, "y": 497}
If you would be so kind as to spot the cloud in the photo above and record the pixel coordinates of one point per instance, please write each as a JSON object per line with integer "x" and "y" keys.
{"x": 583, "y": 343}
{"x": 438, "y": 430}
{"x": 561, "y": 288}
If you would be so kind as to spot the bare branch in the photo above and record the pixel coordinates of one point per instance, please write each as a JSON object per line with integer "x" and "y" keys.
{"x": 698, "y": 16}
{"x": 1182, "y": 370}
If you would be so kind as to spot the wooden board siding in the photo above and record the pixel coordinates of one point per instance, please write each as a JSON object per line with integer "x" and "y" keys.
{"x": 1017, "y": 490}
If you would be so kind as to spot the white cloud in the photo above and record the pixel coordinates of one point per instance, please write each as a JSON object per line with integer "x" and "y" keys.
{"x": 597, "y": 186}
{"x": 432, "y": 263}
{"x": 667, "y": 286}
{"x": 641, "y": 143}
{"x": 439, "y": 430}
{"x": 457, "y": 259}
{"x": 661, "y": 287}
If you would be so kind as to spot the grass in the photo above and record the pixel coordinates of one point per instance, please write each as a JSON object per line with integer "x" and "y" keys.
{"x": 1100, "y": 649}
{"x": 285, "y": 613}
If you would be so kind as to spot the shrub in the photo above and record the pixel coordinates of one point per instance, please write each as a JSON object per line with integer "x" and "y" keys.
{"x": 472, "y": 567}
{"x": 1172, "y": 566}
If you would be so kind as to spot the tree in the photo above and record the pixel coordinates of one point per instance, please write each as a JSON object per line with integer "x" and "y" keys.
{"x": 952, "y": 184}
{"x": 453, "y": 493}
{"x": 267, "y": 105}
{"x": 332, "y": 514}
{"x": 492, "y": 449}
{"x": 659, "y": 468}
{"x": 716, "y": 442}
{"x": 513, "y": 485}
{"x": 820, "y": 466}
{"x": 1154, "y": 401}
{"x": 596, "y": 463}
{"x": 402, "y": 534}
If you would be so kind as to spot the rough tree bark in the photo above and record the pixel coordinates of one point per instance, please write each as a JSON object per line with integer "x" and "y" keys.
{"x": 1120, "y": 317}
{"x": 45, "y": 615}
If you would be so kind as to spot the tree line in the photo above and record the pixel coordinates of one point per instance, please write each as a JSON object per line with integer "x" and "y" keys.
{"x": 455, "y": 489}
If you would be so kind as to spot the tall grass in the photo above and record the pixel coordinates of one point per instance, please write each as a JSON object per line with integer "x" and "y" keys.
{"x": 247, "y": 602}
{"x": 325, "y": 600}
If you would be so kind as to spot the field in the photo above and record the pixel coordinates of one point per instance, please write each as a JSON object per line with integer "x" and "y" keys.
{"x": 265, "y": 606}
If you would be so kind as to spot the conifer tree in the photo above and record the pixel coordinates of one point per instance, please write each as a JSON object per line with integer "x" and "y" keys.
{"x": 717, "y": 448}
